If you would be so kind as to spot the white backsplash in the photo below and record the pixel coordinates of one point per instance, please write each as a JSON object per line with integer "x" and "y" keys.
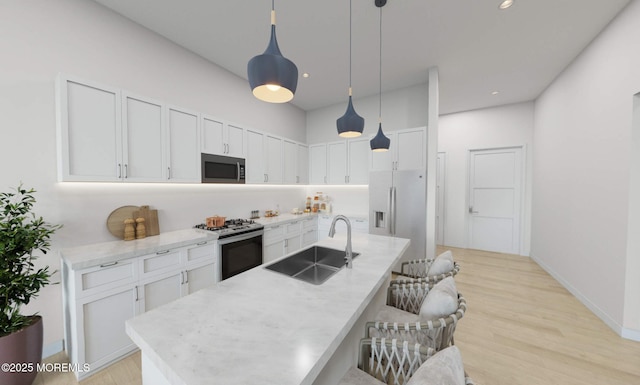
{"x": 86, "y": 206}
{"x": 347, "y": 200}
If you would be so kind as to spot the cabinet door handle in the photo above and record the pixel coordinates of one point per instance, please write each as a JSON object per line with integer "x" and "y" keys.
{"x": 109, "y": 264}
{"x": 162, "y": 252}
{"x": 119, "y": 171}
{"x": 135, "y": 290}
{"x": 168, "y": 172}
{"x": 126, "y": 171}
{"x": 201, "y": 243}
{"x": 186, "y": 277}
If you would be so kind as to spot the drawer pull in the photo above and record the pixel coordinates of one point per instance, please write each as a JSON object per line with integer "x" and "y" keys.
{"x": 162, "y": 252}
{"x": 109, "y": 264}
{"x": 201, "y": 243}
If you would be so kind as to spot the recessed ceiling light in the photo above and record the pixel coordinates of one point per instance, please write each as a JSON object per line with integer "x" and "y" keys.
{"x": 506, "y": 4}
{"x": 305, "y": 75}
{"x": 495, "y": 92}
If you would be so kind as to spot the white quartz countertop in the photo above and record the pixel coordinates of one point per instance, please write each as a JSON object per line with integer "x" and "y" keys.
{"x": 262, "y": 327}
{"x": 82, "y": 257}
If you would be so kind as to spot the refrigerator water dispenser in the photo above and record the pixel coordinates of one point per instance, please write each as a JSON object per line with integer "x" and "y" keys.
{"x": 378, "y": 220}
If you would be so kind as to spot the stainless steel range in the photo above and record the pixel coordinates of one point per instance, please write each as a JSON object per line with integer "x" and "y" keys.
{"x": 240, "y": 245}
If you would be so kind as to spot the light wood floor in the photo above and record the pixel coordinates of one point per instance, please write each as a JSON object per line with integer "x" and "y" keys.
{"x": 521, "y": 327}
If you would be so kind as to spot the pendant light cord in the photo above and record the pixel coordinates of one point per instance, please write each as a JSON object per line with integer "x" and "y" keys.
{"x": 380, "y": 105}
{"x": 350, "y": 38}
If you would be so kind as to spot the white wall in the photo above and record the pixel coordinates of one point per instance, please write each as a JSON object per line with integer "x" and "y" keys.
{"x": 582, "y": 155}
{"x": 504, "y": 126}
{"x": 404, "y": 108}
{"x": 39, "y": 39}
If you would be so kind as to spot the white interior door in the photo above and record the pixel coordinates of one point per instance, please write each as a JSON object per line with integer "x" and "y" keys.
{"x": 440, "y": 178}
{"x": 495, "y": 185}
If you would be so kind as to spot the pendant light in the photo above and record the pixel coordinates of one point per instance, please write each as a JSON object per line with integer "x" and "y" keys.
{"x": 380, "y": 142}
{"x": 272, "y": 77}
{"x": 350, "y": 125}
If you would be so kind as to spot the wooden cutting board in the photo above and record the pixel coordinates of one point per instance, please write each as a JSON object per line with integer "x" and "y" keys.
{"x": 150, "y": 220}
{"x": 115, "y": 221}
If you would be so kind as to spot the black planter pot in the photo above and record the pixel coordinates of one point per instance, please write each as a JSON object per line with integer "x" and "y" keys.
{"x": 22, "y": 351}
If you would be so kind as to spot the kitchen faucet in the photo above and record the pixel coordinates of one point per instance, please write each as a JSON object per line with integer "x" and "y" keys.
{"x": 349, "y": 257}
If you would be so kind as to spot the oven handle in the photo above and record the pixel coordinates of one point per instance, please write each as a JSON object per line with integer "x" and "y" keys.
{"x": 242, "y": 237}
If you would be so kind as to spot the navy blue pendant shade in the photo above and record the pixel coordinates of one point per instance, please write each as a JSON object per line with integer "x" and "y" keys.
{"x": 273, "y": 78}
{"x": 380, "y": 142}
{"x": 350, "y": 125}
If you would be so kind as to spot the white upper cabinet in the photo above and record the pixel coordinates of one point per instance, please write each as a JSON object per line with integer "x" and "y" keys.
{"x": 345, "y": 162}
{"x": 255, "y": 171}
{"x": 108, "y": 135}
{"x": 408, "y": 151}
{"x": 222, "y": 139}
{"x": 411, "y": 151}
{"x": 274, "y": 165}
{"x": 183, "y": 155}
{"x": 89, "y": 131}
{"x": 303, "y": 164}
{"x": 318, "y": 164}
{"x": 296, "y": 163}
{"x": 358, "y": 161}
{"x": 290, "y": 162}
{"x": 337, "y": 162}
{"x": 142, "y": 144}
{"x": 234, "y": 138}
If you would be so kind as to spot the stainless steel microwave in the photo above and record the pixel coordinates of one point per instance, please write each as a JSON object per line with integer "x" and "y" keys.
{"x": 222, "y": 169}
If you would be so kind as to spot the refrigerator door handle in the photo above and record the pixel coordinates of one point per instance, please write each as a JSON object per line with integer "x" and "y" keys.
{"x": 390, "y": 210}
{"x": 393, "y": 204}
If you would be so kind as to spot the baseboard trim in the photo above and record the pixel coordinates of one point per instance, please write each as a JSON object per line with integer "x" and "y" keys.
{"x": 610, "y": 322}
{"x": 52, "y": 348}
{"x": 630, "y": 334}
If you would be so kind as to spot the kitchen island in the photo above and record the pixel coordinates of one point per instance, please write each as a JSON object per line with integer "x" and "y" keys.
{"x": 262, "y": 327}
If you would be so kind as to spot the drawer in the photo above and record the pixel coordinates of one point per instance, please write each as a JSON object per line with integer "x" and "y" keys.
{"x": 106, "y": 276}
{"x": 309, "y": 237}
{"x": 309, "y": 223}
{"x": 293, "y": 227}
{"x": 160, "y": 262}
{"x": 201, "y": 251}
{"x": 360, "y": 225}
{"x": 273, "y": 233}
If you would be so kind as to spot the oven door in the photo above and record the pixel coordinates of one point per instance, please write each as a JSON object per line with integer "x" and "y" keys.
{"x": 240, "y": 253}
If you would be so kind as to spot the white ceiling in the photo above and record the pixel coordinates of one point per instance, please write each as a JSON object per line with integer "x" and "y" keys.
{"x": 477, "y": 48}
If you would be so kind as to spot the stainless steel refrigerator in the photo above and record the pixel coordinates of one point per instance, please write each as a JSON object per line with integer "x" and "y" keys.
{"x": 397, "y": 208}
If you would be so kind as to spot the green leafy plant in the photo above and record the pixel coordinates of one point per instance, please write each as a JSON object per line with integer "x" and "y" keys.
{"x": 21, "y": 233}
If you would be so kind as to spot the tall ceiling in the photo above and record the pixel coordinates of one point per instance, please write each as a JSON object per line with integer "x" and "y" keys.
{"x": 477, "y": 48}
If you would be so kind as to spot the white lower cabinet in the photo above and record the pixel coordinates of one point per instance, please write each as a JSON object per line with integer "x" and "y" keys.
{"x": 287, "y": 237}
{"x": 159, "y": 290}
{"x": 199, "y": 277}
{"x": 101, "y": 338}
{"x": 99, "y": 299}
{"x": 358, "y": 225}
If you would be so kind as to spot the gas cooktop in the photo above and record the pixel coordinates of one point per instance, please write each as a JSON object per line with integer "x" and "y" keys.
{"x": 232, "y": 227}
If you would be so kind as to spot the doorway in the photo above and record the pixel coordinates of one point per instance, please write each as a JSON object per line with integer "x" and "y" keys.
{"x": 495, "y": 199}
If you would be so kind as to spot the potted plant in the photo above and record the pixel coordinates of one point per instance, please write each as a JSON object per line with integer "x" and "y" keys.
{"x": 21, "y": 233}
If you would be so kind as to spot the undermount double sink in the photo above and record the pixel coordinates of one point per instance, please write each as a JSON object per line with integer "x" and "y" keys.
{"x": 313, "y": 265}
